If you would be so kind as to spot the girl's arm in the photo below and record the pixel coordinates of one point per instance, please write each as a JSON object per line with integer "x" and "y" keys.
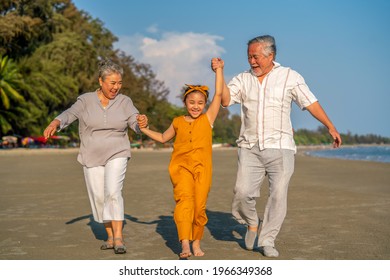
{"x": 158, "y": 136}
{"x": 215, "y": 63}
{"x": 213, "y": 109}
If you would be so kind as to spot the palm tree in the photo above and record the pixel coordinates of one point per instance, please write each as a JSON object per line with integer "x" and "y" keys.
{"x": 10, "y": 81}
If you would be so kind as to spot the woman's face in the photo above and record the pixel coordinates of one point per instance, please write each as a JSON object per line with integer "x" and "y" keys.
{"x": 195, "y": 103}
{"x": 111, "y": 85}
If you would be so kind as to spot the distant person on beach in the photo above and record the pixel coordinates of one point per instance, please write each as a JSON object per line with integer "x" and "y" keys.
{"x": 265, "y": 144}
{"x": 190, "y": 167}
{"x": 104, "y": 118}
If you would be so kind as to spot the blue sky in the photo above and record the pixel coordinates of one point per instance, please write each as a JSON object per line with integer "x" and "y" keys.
{"x": 341, "y": 48}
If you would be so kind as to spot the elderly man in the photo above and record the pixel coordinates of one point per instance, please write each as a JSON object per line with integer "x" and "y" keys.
{"x": 266, "y": 144}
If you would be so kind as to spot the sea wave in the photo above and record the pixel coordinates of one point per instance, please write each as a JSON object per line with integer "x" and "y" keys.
{"x": 365, "y": 153}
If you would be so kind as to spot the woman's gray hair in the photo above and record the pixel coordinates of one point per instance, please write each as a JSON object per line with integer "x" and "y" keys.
{"x": 268, "y": 41}
{"x": 107, "y": 67}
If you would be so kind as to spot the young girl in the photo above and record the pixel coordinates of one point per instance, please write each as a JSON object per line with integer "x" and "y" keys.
{"x": 190, "y": 168}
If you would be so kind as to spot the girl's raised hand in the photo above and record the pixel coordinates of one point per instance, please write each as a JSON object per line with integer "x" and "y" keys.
{"x": 216, "y": 62}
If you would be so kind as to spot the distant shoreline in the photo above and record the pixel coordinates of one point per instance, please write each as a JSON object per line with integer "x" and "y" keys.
{"x": 301, "y": 150}
{"x": 304, "y": 149}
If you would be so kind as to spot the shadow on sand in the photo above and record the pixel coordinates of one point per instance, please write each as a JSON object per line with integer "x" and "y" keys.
{"x": 97, "y": 228}
{"x": 221, "y": 226}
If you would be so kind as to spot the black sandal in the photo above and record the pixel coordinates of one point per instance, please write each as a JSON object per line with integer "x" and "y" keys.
{"x": 108, "y": 244}
{"x": 119, "y": 249}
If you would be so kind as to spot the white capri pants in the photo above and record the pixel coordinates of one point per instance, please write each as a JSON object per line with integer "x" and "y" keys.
{"x": 104, "y": 186}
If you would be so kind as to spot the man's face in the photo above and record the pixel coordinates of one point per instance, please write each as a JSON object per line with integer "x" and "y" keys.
{"x": 260, "y": 64}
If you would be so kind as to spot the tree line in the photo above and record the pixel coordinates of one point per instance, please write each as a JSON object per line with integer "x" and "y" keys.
{"x": 321, "y": 137}
{"x": 49, "y": 52}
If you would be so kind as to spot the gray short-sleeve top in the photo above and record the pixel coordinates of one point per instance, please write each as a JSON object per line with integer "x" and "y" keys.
{"x": 103, "y": 131}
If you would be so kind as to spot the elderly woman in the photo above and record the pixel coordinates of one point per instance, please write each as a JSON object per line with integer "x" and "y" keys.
{"x": 104, "y": 117}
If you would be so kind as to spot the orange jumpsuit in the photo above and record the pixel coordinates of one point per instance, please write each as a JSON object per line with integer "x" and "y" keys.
{"x": 190, "y": 170}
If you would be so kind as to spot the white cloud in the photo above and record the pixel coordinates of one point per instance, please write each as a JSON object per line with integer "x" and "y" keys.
{"x": 152, "y": 29}
{"x": 176, "y": 58}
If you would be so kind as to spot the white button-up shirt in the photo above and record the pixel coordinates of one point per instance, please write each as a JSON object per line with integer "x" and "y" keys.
{"x": 266, "y": 106}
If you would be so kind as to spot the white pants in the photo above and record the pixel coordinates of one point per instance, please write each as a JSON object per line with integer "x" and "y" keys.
{"x": 104, "y": 185}
{"x": 254, "y": 164}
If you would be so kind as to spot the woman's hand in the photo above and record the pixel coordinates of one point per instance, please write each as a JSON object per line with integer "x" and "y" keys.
{"x": 51, "y": 129}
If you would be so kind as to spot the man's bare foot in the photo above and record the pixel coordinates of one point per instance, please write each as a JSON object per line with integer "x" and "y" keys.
{"x": 196, "y": 248}
{"x": 185, "y": 249}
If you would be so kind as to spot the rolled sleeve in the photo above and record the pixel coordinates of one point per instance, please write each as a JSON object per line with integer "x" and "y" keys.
{"x": 70, "y": 115}
{"x": 302, "y": 95}
{"x": 132, "y": 121}
{"x": 235, "y": 86}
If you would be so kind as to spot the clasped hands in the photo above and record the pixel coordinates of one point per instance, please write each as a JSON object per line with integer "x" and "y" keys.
{"x": 142, "y": 121}
{"x": 216, "y": 62}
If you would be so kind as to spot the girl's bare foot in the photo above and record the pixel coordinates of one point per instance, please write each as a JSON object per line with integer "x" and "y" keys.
{"x": 196, "y": 248}
{"x": 185, "y": 249}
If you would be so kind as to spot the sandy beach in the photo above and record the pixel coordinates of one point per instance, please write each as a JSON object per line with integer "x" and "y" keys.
{"x": 337, "y": 210}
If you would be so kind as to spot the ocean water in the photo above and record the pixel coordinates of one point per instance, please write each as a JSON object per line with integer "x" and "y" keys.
{"x": 367, "y": 153}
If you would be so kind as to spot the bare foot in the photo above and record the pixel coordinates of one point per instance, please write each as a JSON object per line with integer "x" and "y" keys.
{"x": 185, "y": 249}
{"x": 196, "y": 248}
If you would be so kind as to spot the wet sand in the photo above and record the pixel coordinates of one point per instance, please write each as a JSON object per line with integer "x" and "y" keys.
{"x": 337, "y": 210}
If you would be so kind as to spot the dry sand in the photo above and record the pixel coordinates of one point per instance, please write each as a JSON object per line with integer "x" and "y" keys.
{"x": 337, "y": 210}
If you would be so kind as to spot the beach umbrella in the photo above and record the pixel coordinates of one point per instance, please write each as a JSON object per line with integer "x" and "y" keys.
{"x": 40, "y": 140}
{"x": 26, "y": 141}
{"x": 60, "y": 137}
{"x": 10, "y": 139}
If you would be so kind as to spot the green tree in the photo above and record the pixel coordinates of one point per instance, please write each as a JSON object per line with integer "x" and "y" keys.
{"x": 25, "y": 25}
{"x": 148, "y": 93}
{"x": 57, "y": 49}
{"x": 10, "y": 83}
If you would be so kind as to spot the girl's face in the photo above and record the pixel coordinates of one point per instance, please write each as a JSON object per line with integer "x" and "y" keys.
{"x": 195, "y": 103}
{"x": 111, "y": 85}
